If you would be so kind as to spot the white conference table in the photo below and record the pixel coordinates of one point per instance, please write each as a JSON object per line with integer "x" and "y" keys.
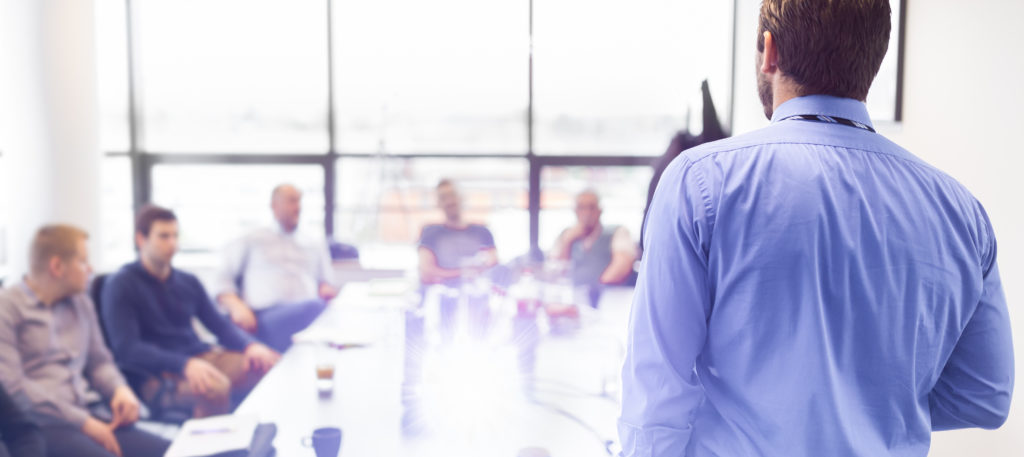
{"x": 474, "y": 408}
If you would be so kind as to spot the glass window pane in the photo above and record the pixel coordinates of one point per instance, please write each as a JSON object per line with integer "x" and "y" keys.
{"x": 233, "y": 75}
{"x": 622, "y": 78}
{"x": 386, "y": 201}
{"x": 623, "y": 193}
{"x": 112, "y": 62}
{"x": 428, "y": 79}
{"x": 217, "y": 203}
{"x": 116, "y": 217}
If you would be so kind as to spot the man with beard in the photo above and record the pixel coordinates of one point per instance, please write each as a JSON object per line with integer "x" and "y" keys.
{"x": 811, "y": 288}
{"x": 598, "y": 254}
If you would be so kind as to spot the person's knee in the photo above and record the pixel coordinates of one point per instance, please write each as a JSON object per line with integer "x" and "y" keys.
{"x": 219, "y": 390}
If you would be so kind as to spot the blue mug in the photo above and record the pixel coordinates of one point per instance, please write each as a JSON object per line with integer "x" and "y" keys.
{"x": 325, "y": 441}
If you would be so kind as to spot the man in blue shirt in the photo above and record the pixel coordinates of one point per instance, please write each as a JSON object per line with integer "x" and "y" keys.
{"x": 811, "y": 288}
{"x": 147, "y": 309}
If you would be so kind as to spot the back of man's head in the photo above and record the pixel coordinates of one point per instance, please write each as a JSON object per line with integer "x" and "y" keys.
{"x": 828, "y": 47}
{"x": 148, "y": 215}
{"x": 60, "y": 241}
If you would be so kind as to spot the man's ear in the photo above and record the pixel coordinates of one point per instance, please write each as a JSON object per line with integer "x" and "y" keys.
{"x": 56, "y": 266}
{"x": 770, "y": 59}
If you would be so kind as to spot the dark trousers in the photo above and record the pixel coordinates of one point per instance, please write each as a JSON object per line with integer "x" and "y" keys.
{"x": 68, "y": 441}
{"x": 277, "y": 324}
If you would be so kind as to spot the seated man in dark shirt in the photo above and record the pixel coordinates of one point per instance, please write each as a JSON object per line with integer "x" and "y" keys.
{"x": 148, "y": 308}
{"x": 453, "y": 251}
{"x": 19, "y": 436}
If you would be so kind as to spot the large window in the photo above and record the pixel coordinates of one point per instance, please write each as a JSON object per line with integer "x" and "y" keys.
{"x": 207, "y": 104}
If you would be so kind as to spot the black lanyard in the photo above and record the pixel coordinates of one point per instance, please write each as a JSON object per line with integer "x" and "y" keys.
{"x": 830, "y": 120}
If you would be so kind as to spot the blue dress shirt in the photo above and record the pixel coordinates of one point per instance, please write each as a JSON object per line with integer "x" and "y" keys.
{"x": 812, "y": 289}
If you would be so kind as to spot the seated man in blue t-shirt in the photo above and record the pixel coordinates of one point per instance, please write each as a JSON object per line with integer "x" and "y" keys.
{"x": 453, "y": 251}
{"x": 147, "y": 309}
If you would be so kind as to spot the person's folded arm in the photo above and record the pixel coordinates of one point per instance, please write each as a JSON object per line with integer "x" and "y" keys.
{"x": 668, "y": 321}
{"x": 976, "y": 385}
{"x": 121, "y": 319}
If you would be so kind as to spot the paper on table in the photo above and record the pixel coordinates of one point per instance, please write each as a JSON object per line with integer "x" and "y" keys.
{"x": 213, "y": 435}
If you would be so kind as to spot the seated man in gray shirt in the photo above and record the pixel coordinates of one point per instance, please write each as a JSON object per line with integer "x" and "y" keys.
{"x": 598, "y": 255}
{"x": 52, "y": 353}
{"x": 275, "y": 281}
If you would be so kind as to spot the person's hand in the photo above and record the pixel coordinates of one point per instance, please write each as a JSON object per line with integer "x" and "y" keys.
{"x": 574, "y": 233}
{"x": 327, "y": 291}
{"x": 125, "y": 406}
{"x": 103, "y": 434}
{"x": 260, "y": 358}
{"x": 240, "y": 313}
{"x": 202, "y": 376}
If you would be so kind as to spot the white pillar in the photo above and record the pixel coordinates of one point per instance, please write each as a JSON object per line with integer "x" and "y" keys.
{"x": 49, "y": 108}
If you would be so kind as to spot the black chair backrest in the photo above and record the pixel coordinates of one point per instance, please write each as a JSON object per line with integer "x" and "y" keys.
{"x": 96, "y": 293}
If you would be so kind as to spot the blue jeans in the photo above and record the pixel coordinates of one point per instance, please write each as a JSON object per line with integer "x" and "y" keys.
{"x": 276, "y": 325}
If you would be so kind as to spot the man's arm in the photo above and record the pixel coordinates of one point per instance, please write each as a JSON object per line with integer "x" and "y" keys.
{"x": 227, "y": 293}
{"x": 976, "y": 384}
{"x": 623, "y": 257}
{"x": 121, "y": 317}
{"x": 100, "y": 368}
{"x": 23, "y": 391}
{"x": 327, "y": 284}
{"x": 430, "y": 272}
{"x": 668, "y": 323}
{"x": 563, "y": 244}
{"x": 228, "y": 334}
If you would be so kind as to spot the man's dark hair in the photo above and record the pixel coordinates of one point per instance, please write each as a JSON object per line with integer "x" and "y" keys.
{"x": 148, "y": 215}
{"x": 828, "y": 47}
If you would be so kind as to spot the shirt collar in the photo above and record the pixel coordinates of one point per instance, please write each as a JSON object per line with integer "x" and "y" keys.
{"x": 827, "y": 105}
{"x": 36, "y": 302}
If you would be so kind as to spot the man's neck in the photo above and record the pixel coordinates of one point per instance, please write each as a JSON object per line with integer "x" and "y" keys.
{"x": 783, "y": 90}
{"x": 45, "y": 290}
{"x": 159, "y": 270}
{"x": 455, "y": 223}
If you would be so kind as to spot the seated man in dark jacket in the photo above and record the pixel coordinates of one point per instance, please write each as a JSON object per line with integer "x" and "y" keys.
{"x": 148, "y": 308}
{"x": 19, "y": 436}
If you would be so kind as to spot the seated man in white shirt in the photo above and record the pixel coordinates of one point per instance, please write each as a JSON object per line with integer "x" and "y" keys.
{"x": 276, "y": 281}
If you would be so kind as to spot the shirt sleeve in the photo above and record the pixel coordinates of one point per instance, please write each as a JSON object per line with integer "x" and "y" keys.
{"x": 326, "y": 265}
{"x": 623, "y": 243}
{"x": 19, "y": 433}
{"x": 668, "y": 320}
{"x": 428, "y": 238}
{"x": 121, "y": 315}
{"x": 976, "y": 384}
{"x": 228, "y": 334}
{"x": 486, "y": 238}
{"x": 99, "y": 365}
{"x": 23, "y": 391}
{"x": 232, "y": 265}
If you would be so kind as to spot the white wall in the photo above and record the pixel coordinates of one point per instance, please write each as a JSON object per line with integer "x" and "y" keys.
{"x": 963, "y": 111}
{"x": 50, "y": 112}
